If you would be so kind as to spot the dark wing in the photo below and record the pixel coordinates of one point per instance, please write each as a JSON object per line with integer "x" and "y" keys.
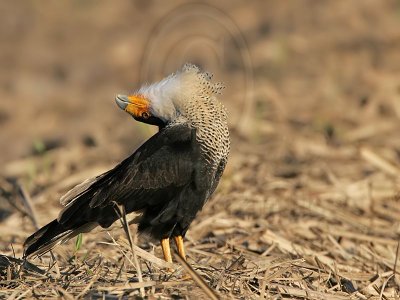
{"x": 165, "y": 163}
{"x": 151, "y": 179}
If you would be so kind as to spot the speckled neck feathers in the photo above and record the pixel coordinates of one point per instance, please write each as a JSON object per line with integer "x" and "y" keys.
{"x": 190, "y": 96}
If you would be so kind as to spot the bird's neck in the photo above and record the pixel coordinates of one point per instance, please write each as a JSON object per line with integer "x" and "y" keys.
{"x": 208, "y": 116}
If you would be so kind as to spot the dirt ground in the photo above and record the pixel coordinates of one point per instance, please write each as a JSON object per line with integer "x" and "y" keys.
{"x": 309, "y": 205}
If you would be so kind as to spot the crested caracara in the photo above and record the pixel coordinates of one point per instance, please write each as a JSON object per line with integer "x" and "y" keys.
{"x": 167, "y": 180}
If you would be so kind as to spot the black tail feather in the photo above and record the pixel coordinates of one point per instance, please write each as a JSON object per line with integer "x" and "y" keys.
{"x": 45, "y": 238}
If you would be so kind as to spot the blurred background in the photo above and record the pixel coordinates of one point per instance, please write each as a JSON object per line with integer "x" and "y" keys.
{"x": 313, "y": 93}
{"x": 319, "y": 64}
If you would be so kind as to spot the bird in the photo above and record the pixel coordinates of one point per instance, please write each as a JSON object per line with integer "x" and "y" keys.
{"x": 167, "y": 180}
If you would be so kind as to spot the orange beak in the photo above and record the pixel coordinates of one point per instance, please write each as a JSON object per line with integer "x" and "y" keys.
{"x": 136, "y": 105}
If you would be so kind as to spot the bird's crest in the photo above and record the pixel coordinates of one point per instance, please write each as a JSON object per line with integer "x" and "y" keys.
{"x": 170, "y": 95}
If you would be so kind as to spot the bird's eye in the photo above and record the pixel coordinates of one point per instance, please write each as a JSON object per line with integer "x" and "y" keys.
{"x": 145, "y": 115}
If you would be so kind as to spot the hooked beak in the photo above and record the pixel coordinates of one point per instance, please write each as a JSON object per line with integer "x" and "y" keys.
{"x": 136, "y": 105}
{"x": 122, "y": 101}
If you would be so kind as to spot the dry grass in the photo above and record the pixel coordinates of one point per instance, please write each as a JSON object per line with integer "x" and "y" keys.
{"x": 316, "y": 222}
{"x": 309, "y": 205}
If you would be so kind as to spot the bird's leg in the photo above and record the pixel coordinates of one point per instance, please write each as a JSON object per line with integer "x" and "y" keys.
{"x": 179, "y": 244}
{"x": 166, "y": 250}
{"x": 181, "y": 251}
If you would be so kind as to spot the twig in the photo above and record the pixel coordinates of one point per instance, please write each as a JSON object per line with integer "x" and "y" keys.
{"x": 127, "y": 230}
{"x": 88, "y": 286}
{"x": 263, "y": 285}
{"x": 140, "y": 252}
{"x": 64, "y": 293}
{"x": 396, "y": 258}
{"x": 27, "y": 201}
{"x": 196, "y": 277}
{"x": 379, "y": 162}
{"x": 381, "y": 295}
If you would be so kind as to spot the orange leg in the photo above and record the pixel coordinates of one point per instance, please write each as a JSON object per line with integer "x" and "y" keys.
{"x": 179, "y": 244}
{"x": 166, "y": 250}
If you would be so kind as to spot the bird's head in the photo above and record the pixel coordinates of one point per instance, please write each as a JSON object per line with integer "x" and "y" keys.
{"x": 161, "y": 102}
{"x": 140, "y": 107}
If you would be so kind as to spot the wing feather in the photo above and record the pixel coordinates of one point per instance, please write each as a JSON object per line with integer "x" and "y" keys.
{"x": 78, "y": 189}
{"x": 165, "y": 162}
